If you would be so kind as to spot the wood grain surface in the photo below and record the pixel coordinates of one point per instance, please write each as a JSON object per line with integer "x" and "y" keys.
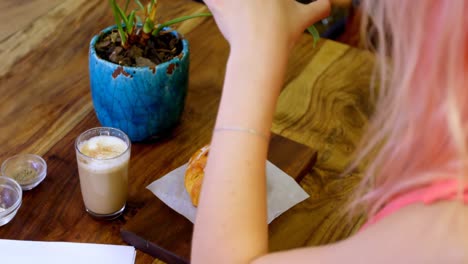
{"x": 45, "y": 103}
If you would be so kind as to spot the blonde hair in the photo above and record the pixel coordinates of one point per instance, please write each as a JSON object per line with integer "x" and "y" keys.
{"x": 418, "y": 133}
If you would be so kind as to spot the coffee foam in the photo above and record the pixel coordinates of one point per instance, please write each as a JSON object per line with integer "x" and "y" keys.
{"x": 103, "y": 147}
{"x": 103, "y": 150}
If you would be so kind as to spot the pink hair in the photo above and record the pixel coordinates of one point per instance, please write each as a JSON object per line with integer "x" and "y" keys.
{"x": 419, "y": 131}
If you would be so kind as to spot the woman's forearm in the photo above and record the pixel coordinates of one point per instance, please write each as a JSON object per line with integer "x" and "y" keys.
{"x": 254, "y": 78}
{"x": 231, "y": 225}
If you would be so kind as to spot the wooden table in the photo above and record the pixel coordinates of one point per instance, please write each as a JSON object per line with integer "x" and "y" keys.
{"x": 45, "y": 104}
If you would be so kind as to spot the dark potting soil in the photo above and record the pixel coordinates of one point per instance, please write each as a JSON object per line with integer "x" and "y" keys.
{"x": 141, "y": 52}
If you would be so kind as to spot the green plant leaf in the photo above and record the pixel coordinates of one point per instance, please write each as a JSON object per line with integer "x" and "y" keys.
{"x": 140, "y": 5}
{"x": 126, "y": 5}
{"x": 118, "y": 13}
{"x": 131, "y": 22}
{"x": 315, "y": 34}
{"x": 153, "y": 10}
{"x": 148, "y": 26}
{"x": 118, "y": 22}
{"x": 122, "y": 14}
{"x": 148, "y": 8}
{"x": 178, "y": 20}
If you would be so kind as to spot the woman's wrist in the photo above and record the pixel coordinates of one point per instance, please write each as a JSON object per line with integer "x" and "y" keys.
{"x": 259, "y": 64}
{"x": 252, "y": 85}
{"x": 261, "y": 48}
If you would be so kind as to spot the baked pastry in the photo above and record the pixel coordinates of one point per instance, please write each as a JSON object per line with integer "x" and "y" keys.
{"x": 195, "y": 172}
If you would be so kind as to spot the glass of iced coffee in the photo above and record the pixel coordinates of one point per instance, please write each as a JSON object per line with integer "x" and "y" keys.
{"x": 103, "y": 154}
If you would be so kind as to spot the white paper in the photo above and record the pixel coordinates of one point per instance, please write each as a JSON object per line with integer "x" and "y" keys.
{"x": 282, "y": 192}
{"x": 27, "y": 252}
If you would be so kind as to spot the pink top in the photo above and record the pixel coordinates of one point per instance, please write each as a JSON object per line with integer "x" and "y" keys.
{"x": 445, "y": 190}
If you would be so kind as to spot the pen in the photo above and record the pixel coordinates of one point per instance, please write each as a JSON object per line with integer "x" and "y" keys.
{"x": 151, "y": 248}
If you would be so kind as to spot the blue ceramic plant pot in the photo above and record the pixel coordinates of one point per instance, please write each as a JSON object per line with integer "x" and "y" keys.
{"x": 143, "y": 102}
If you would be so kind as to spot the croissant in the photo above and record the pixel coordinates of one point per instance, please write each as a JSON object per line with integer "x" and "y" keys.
{"x": 195, "y": 172}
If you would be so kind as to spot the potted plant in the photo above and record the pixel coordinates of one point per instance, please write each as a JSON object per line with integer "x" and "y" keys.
{"x": 139, "y": 72}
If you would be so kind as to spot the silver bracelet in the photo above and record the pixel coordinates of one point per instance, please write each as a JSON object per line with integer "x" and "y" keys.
{"x": 244, "y": 130}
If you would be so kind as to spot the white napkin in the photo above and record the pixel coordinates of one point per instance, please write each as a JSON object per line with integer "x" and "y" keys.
{"x": 27, "y": 252}
{"x": 282, "y": 192}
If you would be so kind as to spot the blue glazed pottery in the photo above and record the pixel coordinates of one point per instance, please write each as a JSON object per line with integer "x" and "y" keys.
{"x": 143, "y": 102}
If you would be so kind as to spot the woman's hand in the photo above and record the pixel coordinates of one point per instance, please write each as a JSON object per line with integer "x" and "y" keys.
{"x": 254, "y": 23}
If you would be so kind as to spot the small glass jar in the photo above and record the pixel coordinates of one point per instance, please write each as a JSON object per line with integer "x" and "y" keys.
{"x": 27, "y": 169}
{"x": 10, "y": 199}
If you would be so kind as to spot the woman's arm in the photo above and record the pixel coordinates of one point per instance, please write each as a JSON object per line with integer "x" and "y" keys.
{"x": 231, "y": 215}
{"x": 231, "y": 224}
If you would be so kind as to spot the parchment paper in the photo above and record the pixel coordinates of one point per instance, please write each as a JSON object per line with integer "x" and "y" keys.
{"x": 282, "y": 192}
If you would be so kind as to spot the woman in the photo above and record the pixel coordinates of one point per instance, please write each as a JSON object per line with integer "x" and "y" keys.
{"x": 414, "y": 188}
